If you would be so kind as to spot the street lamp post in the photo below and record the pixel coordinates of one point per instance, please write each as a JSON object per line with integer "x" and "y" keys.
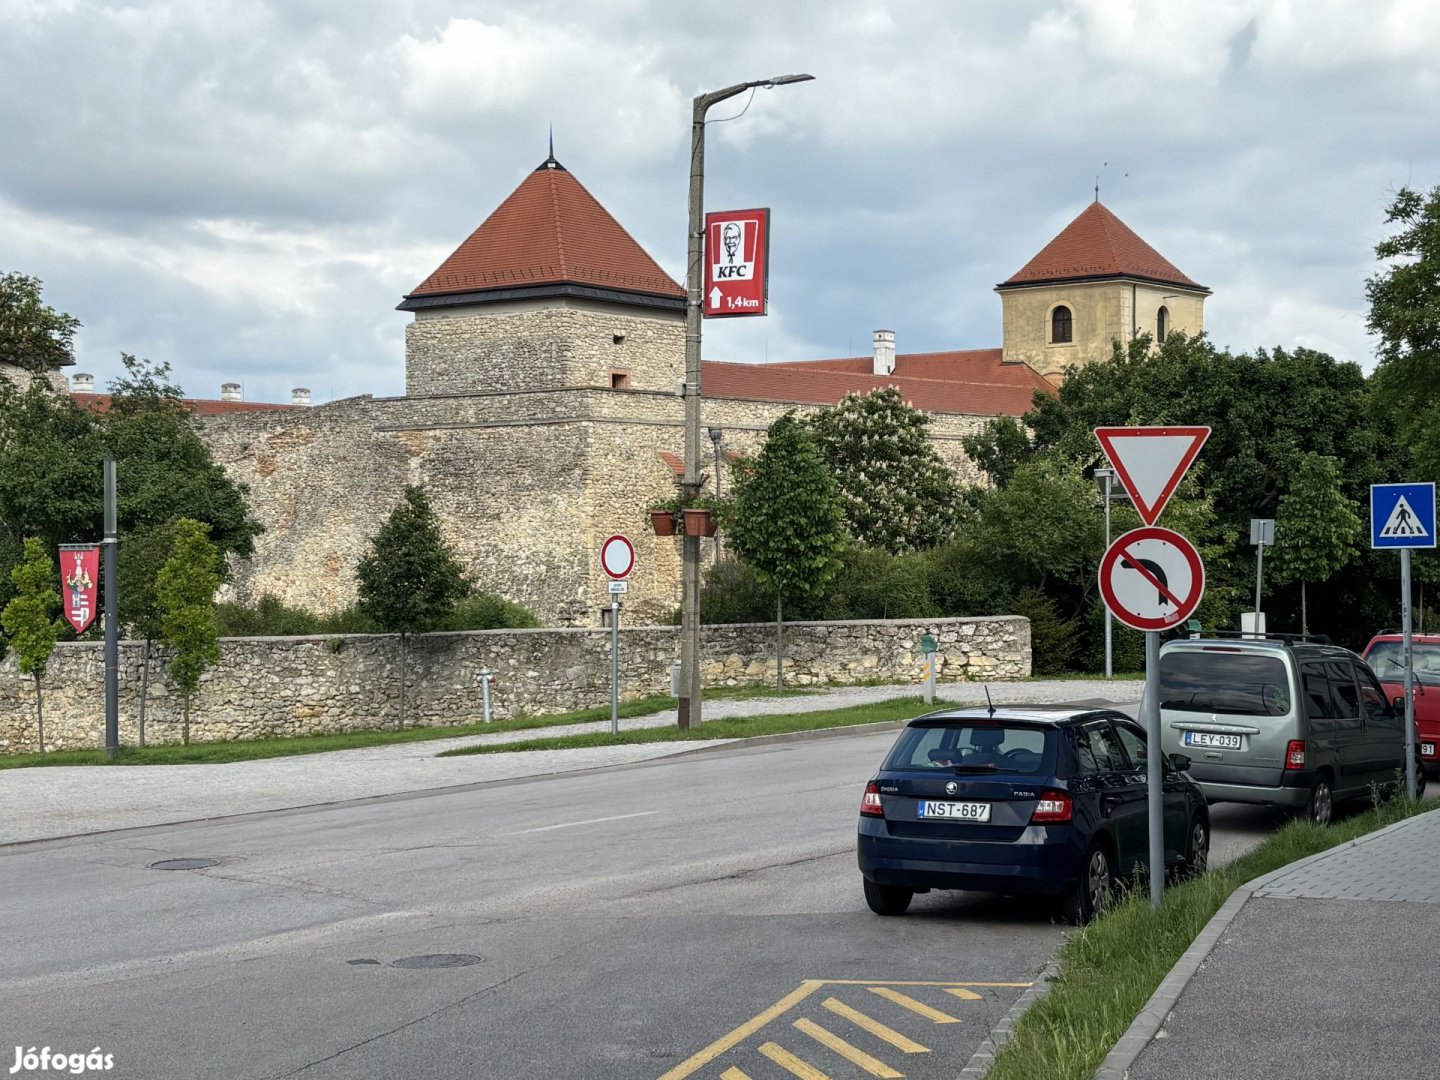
{"x": 689, "y": 711}
{"x": 716, "y": 434}
{"x": 1105, "y": 478}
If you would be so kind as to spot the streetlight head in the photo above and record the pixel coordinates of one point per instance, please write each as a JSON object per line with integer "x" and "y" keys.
{"x": 715, "y": 434}
{"x": 782, "y": 80}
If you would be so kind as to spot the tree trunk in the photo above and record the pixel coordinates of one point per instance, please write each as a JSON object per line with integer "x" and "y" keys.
{"x": 779, "y": 645}
{"x": 1304, "y": 612}
{"x": 402, "y": 682}
{"x": 39, "y": 713}
{"x": 185, "y": 719}
{"x": 144, "y": 687}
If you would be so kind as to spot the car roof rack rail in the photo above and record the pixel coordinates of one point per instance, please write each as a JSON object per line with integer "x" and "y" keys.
{"x": 1288, "y": 639}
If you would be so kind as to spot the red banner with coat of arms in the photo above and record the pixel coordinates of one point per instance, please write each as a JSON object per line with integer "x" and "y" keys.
{"x": 79, "y": 574}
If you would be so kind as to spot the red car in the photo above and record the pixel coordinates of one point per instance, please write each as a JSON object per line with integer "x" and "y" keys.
{"x": 1385, "y": 655}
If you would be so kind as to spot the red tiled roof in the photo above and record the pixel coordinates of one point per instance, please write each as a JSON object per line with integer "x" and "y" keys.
{"x": 1009, "y": 394}
{"x": 548, "y": 232}
{"x": 1098, "y": 244}
{"x": 963, "y": 365}
{"x": 200, "y": 406}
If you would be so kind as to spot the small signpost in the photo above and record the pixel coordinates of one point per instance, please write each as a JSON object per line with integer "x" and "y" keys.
{"x": 1262, "y": 535}
{"x": 1403, "y": 516}
{"x": 617, "y": 556}
{"x": 1152, "y": 579}
{"x": 737, "y": 263}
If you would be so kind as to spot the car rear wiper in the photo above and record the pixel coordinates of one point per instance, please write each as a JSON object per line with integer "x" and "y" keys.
{"x": 990, "y": 767}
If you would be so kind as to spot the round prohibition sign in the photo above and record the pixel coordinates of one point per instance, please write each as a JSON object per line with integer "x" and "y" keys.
{"x": 1152, "y": 578}
{"x": 617, "y": 556}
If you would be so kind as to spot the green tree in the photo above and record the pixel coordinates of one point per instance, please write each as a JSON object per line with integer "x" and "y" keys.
{"x": 1317, "y": 531}
{"x": 142, "y": 554}
{"x": 30, "y": 619}
{"x": 410, "y": 581}
{"x": 1000, "y": 447}
{"x": 1405, "y": 314}
{"x": 895, "y": 492}
{"x": 33, "y": 336}
{"x": 788, "y": 520}
{"x": 185, "y": 600}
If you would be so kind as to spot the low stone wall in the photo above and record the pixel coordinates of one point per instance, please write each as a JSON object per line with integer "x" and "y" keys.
{"x": 315, "y": 685}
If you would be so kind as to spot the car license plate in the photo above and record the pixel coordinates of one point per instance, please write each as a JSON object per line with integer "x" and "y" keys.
{"x": 1427, "y": 749}
{"x": 1212, "y": 739}
{"x": 955, "y": 811}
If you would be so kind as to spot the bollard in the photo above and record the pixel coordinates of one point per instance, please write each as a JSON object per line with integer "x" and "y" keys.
{"x": 484, "y": 680}
{"x": 675, "y": 681}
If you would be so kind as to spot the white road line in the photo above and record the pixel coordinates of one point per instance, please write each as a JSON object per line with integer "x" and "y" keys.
{"x": 590, "y": 821}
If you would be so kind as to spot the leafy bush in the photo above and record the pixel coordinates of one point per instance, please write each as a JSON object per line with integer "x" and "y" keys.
{"x": 485, "y": 611}
{"x": 873, "y": 584}
{"x": 1054, "y": 641}
{"x": 734, "y": 593}
{"x": 270, "y": 617}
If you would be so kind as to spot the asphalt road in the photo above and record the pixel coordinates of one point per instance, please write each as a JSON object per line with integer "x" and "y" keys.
{"x": 619, "y": 923}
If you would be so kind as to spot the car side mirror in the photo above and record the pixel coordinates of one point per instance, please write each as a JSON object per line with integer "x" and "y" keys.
{"x": 1398, "y": 703}
{"x": 1181, "y": 762}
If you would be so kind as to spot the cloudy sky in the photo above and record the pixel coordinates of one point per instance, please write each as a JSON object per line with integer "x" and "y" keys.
{"x": 246, "y": 189}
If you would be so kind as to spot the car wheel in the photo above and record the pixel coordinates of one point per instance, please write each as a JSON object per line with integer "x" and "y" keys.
{"x": 1092, "y": 891}
{"x": 1197, "y": 847}
{"x": 1420, "y": 781}
{"x": 887, "y": 899}
{"x": 1321, "y": 808}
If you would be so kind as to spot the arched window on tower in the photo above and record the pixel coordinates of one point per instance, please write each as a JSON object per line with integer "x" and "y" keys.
{"x": 1061, "y": 326}
{"x": 1162, "y": 323}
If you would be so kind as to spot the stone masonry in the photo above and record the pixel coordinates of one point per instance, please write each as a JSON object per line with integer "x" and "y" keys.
{"x": 319, "y": 685}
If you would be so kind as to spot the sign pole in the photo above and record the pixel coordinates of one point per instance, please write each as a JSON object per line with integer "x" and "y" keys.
{"x": 1154, "y": 771}
{"x": 1109, "y": 623}
{"x": 614, "y": 664}
{"x": 111, "y": 543}
{"x": 1409, "y": 653}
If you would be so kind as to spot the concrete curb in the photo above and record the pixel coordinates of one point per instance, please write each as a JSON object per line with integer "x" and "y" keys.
{"x": 793, "y": 736}
{"x": 984, "y": 1057}
{"x": 1152, "y": 1017}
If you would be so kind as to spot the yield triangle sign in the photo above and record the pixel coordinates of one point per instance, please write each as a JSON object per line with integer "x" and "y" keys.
{"x": 1151, "y": 462}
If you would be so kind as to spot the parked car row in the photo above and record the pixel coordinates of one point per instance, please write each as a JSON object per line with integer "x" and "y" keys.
{"x": 1052, "y": 800}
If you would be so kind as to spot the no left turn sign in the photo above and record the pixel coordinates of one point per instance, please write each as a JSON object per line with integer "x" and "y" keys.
{"x": 1152, "y": 578}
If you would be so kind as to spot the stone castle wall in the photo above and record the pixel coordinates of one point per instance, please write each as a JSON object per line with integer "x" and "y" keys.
{"x": 302, "y": 686}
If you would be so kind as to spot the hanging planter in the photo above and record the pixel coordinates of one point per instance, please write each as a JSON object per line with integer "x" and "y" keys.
{"x": 663, "y": 522}
{"x": 699, "y": 522}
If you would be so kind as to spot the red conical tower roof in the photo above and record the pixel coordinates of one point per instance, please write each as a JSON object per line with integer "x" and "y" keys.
{"x": 550, "y": 233}
{"x": 1097, "y": 244}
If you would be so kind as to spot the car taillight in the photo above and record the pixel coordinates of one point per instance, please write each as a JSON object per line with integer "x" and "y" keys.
{"x": 1295, "y": 754}
{"x": 870, "y": 804}
{"x": 1053, "y": 808}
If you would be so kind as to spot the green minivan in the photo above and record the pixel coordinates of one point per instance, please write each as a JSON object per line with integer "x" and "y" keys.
{"x": 1279, "y": 722}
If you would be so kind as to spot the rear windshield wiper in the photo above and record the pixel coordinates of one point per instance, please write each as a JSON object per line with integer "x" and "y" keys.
{"x": 991, "y": 767}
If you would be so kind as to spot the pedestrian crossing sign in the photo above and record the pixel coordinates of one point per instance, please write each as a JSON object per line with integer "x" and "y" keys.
{"x": 1402, "y": 515}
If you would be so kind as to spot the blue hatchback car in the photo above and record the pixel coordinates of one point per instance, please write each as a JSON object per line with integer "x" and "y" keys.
{"x": 1046, "y": 800}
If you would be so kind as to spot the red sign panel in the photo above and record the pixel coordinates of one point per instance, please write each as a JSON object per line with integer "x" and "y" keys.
{"x": 737, "y": 263}
{"x": 79, "y": 575}
{"x": 1152, "y": 578}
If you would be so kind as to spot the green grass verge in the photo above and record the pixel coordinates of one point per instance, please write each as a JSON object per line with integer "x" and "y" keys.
{"x": 217, "y": 753}
{"x": 739, "y": 727}
{"x": 1109, "y": 969}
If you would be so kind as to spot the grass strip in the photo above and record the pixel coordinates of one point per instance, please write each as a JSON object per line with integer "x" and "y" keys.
{"x": 222, "y": 752}
{"x": 1109, "y": 969}
{"x": 738, "y": 727}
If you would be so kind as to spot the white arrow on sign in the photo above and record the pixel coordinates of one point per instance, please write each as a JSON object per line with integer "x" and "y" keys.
{"x": 715, "y": 296}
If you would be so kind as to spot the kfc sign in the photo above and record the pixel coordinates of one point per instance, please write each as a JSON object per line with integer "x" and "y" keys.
{"x": 737, "y": 263}
{"x": 79, "y": 572}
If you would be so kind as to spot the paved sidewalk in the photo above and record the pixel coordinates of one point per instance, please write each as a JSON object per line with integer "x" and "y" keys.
{"x": 66, "y": 801}
{"x": 1327, "y": 970}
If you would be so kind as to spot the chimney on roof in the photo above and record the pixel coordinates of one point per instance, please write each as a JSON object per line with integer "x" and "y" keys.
{"x": 82, "y": 384}
{"x": 230, "y": 391}
{"x": 300, "y": 396}
{"x": 884, "y": 352}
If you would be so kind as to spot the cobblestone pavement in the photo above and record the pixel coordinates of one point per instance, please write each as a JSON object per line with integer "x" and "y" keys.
{"x": 1326, "y": 971}
{"x": 66, "y": 801}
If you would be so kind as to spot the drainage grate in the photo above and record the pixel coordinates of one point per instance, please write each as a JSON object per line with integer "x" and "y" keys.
{"x": 184, "y": 864}
{"x": 437, "y": 960}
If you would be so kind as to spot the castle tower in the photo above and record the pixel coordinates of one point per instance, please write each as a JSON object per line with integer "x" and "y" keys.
{"x": 1096, "y": 283}
{"x": 550, "y": 293}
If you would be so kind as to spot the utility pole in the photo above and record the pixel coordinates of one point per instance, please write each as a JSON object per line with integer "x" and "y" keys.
{"x": 111, "y": 572}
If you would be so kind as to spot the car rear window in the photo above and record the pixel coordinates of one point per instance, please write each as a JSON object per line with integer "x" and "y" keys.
{"x": 985, "y": 746}
{"x": 1387, "y": 660}
{"x": 1239, "y": 684}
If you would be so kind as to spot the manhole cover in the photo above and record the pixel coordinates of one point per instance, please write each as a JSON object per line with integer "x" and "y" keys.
{"x": 184, "y": 864}
{"x": 437, "y": 960}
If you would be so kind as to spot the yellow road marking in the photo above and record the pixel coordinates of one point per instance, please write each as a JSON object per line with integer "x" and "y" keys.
{"x": 744, "y": 1031}
{"x": 963, "y": 994}
{"x": 914, "y": 1006}
{"x": 734, "y": 1074}
{"x": 875, "y": 1027}
{"x": 854, "y": 1054}
{"x": 791, "y": 1063}
{"x": 901, "y": 982}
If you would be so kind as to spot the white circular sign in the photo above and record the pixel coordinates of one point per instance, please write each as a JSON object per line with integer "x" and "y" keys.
{"x": 617, "y": 555}
{"x": 1152, "y": 578}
